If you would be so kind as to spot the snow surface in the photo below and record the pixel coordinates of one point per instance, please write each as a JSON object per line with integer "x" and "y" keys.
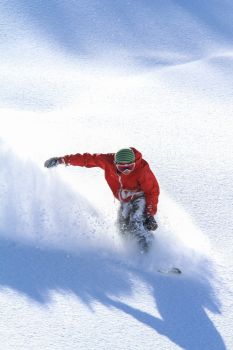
{"x": 96, "y": 76}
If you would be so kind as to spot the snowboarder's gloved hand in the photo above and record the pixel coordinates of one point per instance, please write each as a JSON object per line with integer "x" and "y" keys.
{"x": 150, "y": 223}
{"x": 52, "y": 162}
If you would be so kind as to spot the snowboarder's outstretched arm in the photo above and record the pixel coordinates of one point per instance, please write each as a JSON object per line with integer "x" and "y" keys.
{"x": 85, "y": 160}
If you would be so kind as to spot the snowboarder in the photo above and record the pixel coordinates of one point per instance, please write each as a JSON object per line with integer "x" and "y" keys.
{"x": 131, "y": 181}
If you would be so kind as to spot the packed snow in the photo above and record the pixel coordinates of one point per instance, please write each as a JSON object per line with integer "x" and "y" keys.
{"x": 96, "y": 76}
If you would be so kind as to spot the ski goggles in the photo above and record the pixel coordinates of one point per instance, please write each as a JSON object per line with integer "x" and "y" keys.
{"x": 125, "y": 168}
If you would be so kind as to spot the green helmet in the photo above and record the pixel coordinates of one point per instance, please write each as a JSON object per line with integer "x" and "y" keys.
{"x": 125, "y": 155}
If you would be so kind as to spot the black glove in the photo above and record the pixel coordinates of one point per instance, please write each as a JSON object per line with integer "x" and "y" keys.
{"x": 52, "y": 162}
{"x": 150, "y": 223}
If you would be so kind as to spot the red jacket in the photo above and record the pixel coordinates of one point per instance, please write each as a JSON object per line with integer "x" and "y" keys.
{"x": 124, "y": 187}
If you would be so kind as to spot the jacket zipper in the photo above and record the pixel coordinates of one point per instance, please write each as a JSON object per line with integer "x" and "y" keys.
{"x": 121, "y": 187}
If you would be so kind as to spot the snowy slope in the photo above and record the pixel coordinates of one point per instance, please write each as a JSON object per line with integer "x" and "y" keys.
{"x": 95, "y": 76}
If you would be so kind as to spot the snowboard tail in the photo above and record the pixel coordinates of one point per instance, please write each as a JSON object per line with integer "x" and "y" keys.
{"x": 171, "y": 271}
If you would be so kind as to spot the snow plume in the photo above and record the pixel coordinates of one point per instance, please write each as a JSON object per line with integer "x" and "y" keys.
{"x": 40, "y": 208}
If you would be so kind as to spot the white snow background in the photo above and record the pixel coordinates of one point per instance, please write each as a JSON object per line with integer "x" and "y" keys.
{"x": 96, "y": 76}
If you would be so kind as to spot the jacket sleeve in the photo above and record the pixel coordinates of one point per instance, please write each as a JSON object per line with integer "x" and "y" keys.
{"x": 150, "y": 187}
{"x": 88, "y": 160}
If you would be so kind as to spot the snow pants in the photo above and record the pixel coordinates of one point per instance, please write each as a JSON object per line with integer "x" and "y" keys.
{"x": 131, "y": 219}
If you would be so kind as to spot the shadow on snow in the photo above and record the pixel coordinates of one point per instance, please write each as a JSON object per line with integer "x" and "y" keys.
{"x": 181, "y": 302}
